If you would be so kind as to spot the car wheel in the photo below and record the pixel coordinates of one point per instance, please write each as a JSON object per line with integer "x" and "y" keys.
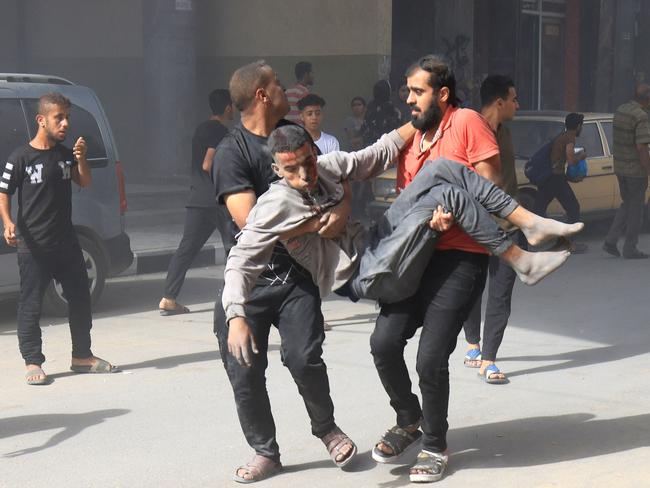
{"x": 55, "y": 303}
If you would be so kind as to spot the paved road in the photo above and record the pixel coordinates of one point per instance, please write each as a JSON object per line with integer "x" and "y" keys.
{"x": 574, "y": 415}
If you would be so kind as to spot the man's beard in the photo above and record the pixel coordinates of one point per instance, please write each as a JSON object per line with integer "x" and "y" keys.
{"x": 428, "y": 119}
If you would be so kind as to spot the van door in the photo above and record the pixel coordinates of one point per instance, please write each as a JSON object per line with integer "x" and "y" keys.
{"x": 13, "y": 133}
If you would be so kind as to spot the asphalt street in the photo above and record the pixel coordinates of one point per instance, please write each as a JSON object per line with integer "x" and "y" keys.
{"x": 575, "y": 413}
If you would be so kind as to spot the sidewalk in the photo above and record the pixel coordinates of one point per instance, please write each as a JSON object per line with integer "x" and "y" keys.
{"x": 154, "y": 223}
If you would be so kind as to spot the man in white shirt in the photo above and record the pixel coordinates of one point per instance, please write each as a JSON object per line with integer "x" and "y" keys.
{"x": 311, "y": 117}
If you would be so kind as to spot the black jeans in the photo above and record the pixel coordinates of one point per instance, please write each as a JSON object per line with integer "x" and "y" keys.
{"x": 497, "y": 310}
{"x": 557, "y": 187}
{"x": 295, "y": 309}
{"x": 200, "y": 223}
{"x": 65, "y": 264}
{"x": 448, "y": 290}
{"x": 629, "y": 217}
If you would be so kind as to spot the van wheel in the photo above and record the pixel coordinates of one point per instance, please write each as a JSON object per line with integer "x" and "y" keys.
{"x": 55, "y": 303}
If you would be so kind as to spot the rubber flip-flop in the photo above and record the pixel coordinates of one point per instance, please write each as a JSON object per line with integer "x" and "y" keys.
{"x": 44, "y": 380}
{"x": 490, "y": 370}
{"x": 100, "y": 367}
{"x": 472, "y": 355}
{"x": 178, "y": 310}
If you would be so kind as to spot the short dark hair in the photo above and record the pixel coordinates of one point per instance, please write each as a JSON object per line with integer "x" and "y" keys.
{"x": 440, "y": 75}
{"x": 358, "y": 99}
{"x": 301, "y": 69}
{"x": 495, "y": 87}
{"x": 309, "y": 100}
{"x": 247, "y": 80}
{"x": 288, "y": 138}
{"x": 573, "y": 120}
{"x": 219, "y": 101}
{"x": 52, "y": 98}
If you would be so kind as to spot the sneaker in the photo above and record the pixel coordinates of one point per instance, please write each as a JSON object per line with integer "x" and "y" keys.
{"x": 635, "y": 254}
{"x": 611, "y": 249}
{"x": 432, "y": 463}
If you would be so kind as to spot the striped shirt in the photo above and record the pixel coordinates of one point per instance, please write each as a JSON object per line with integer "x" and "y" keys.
{"x": 294, "y": 94}
{"x": 631, "y": 127}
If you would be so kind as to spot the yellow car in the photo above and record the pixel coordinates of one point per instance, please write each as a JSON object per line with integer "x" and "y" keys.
{"x": 598, "y": 193}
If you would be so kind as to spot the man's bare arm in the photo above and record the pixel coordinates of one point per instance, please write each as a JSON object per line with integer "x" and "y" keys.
{"x": 488, "y": 169}
{"x": 207, "y": 160}
{"x": 5, "y": 214}
{"x": 240, "y": 205}
{"x": 571, "y": 156}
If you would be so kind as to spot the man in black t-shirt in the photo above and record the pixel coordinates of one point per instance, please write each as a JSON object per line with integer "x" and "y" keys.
{"x": 45, "y": 237}
{"x": 202, "y": 215}
{"x": 284, "y": 295}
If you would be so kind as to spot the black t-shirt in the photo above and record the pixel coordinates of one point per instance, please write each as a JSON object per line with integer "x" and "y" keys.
{"x": 207, "y": 135}
{"x": 43, "y": 179}
{"x": 243, "y": 162}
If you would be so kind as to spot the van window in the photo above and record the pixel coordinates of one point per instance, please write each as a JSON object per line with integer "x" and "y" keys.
{"x": 590, "y": 139}
{"x": 13, "y": 130}
{"x": 82, "y": 124}
{"x": 608, "y": 130}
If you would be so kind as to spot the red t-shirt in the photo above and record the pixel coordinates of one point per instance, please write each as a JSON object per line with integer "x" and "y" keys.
{"x": 466, "y": 137}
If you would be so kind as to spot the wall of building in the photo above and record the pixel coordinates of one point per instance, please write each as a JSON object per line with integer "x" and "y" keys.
{"x": 350, "y": 50}
{"x": 117, "y": 48}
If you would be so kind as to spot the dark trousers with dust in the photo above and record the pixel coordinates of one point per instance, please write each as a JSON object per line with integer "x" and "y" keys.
{"x": 66, "y": 265}
{"x": 200, "y": 223}
{"x": 557, "y": 186}
{"x": 497, "y": 310}
{"x": 629, "y": 217}
{"x": 295, "y": 309}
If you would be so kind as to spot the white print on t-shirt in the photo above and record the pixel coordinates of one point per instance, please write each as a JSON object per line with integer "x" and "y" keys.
{"x": 35, "y": 173}
{"x": 66, "y": 167}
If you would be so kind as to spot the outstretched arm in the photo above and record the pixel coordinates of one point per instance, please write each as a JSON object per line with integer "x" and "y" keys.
{"x": 370, "y": 161}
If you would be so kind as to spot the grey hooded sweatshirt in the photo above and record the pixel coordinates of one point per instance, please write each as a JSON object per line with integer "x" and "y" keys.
{"x": 331, "y": 262}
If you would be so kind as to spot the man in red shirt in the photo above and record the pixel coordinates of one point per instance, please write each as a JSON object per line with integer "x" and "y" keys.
{"x": 452, "y": 282}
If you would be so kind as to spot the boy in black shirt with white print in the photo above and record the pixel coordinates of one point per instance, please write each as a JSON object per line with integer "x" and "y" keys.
{"x": 45, "y": 237}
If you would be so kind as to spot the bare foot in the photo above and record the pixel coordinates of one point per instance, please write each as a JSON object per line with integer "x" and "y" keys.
{"x": 531, "y": 267}
{"x": 539, "y": 229}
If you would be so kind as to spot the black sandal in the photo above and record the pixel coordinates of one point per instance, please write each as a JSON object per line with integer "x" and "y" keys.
{"x": 398, "y": 440}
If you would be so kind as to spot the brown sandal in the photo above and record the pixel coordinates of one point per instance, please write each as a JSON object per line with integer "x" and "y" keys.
{"x": 259, "y": 468}
{"x": 334, "y": 442}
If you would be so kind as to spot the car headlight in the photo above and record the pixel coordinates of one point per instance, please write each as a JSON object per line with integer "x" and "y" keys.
{"x": 384, "y": 188}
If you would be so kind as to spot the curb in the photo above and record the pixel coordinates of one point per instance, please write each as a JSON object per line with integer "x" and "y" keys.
{"x": 156, "y": 261}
